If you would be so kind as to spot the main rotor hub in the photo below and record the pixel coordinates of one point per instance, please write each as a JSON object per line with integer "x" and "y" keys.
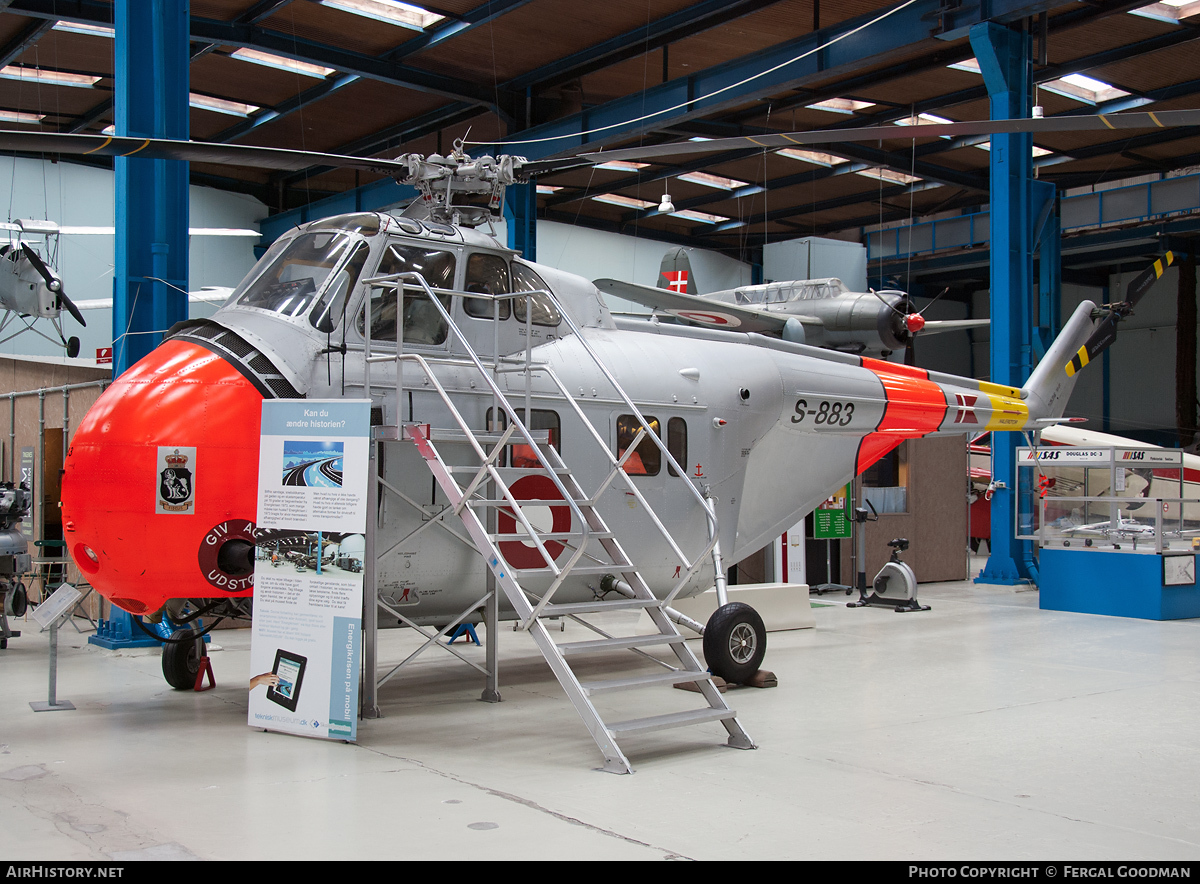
{"x": 457, "y": 189}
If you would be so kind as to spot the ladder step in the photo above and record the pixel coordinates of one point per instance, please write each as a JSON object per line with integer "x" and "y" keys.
{"x": 448, "y": 434}
{"x": 643, "y": 681}
{"x": 615, "y": 568}
{"x": 559, "y": 535}
{"x": 597, "y": 607}
{"x": 556, "y": 501}
{"x": 621, "y": 643}
{"x": 674, "y": 719}
{"x": 524, "y": 471}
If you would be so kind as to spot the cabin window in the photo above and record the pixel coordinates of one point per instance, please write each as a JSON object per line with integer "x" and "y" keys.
{"x": 327, "y": 313}
{"x": 487, "y": 275}
{"x": 885, "y": 482}
{"x": 646, "y": 459}
{"x": 677, "y": 443}
{"x": 291, "y": 279}
{"x": 423, "y": 324}
{"x": 521, "y": 454}
{"x": 544, "y": 310}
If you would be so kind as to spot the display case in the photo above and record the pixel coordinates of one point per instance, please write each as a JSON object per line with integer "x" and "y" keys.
{"x": 1112, "y": 495}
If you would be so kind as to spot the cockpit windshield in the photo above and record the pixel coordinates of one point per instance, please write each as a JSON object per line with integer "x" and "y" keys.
{"x": 292, "y": 279}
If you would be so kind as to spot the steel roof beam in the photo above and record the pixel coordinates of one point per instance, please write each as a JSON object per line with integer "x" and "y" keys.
{"x": 286, "y": 45}
{"x": 768, "y": 72}
{"x": 23, "y": 41}
{"x": 687, "y": 22}
{"x": 486, "y": 13}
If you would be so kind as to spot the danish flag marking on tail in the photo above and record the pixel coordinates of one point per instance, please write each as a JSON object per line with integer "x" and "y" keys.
{"x": 677, "y": 280}
{"x": 966, "y": 409}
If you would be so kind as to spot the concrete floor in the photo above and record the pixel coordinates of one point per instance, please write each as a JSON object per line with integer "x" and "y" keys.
{"x": 982, "y": 729}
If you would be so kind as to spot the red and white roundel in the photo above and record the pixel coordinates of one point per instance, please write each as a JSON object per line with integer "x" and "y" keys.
{"x": 720, "y": 320}
{"x": 549, "y": 519}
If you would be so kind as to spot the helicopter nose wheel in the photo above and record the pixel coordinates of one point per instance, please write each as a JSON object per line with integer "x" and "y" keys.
{"x": 735, "y": 642}
{"x": 181, "y": 660}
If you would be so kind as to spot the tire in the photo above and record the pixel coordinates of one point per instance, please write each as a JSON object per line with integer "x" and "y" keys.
{"x": 181, "y": 661}
{"x": 735, "y": 642}
{"x": 18, "y": 600}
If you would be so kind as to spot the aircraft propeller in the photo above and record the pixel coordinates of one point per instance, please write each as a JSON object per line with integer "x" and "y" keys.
{"x": 1106, "y": 331}
{"x": 52, "y": 282}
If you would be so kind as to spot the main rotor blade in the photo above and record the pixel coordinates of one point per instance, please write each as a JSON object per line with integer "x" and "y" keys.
{"x": 191, "y": 151}
{"x": 1066, "y": 123}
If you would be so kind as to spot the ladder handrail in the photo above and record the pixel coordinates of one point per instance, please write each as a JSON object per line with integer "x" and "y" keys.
{"x": 401, "y": 281}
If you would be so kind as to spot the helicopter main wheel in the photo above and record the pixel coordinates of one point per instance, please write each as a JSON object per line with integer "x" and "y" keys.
{"x": 16, "y": 602}
{"x": 181, "y": 660}
{"x": 735, "y": 642}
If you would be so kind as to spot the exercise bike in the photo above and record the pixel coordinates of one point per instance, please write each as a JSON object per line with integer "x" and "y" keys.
{"x": 895, "y": 586}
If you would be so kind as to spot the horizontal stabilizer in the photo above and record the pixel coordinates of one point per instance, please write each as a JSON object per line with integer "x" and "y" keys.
{"x": 698, "y": 310}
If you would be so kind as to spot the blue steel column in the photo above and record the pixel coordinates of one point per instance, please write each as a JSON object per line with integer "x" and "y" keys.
{"x": 152, "y": 195}
{"x": 1004, "y": 56}
{"x": 152, "y": 203}
{"x": 520, "y": 212}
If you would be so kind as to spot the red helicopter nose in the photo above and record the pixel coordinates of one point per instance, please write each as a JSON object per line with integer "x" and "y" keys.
{"x": 914, "y": 322}
{"x": 145, "y": 530}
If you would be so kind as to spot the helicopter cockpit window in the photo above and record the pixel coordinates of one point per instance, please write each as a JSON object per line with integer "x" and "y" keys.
{"x": 544, "y": 310}
{"x": 488, "y": 275}
{"x": 299, "y": 271}
{"x": 422, "y": 322}
{"x": 366, "y": 223}
{"x": 326, "y": 314}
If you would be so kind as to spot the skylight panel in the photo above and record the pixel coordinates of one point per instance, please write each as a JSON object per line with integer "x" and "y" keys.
{"x": 17, "y": 117}
{"x": 1036, "y": 152}
{"x": 1171, "y": 11}
{"x": 622, "y": 166}
{"x": 970, "y": 65}
{"x": 548, "y": 188}
{"x": 1083, "y": 88}
{"x": 841, "y": 105}
{"x": 80, "y": 28}
{"x": 628, "y": 202}
{"x": 54, "y": 78}
{"x": 392, "y": 12}
{"x": 812, "y": 156}
{"x": 256, "y": 56}
{"x": 708, "y": 180}
{"x": 221, "y": 105}
{"x": 922, "y": 119}
{"x": 693, "y": 215}
{"x": 888, "y": 175}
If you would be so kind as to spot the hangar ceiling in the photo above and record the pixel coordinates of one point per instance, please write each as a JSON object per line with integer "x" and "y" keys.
{"x": 373, "y": 77}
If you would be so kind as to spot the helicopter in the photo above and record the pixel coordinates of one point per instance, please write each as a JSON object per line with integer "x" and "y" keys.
{"x": 727, "y": 436}
{"x": 821, "y": 312}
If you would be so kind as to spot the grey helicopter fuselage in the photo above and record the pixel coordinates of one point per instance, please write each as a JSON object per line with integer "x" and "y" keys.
{"x": 768, "y": 428}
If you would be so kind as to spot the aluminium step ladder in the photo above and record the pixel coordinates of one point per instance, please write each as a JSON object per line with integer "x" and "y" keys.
{"x": 485, "y": 494}
{"x": 610, "y": 559}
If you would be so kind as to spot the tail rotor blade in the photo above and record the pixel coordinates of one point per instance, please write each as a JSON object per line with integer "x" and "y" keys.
{"x": 1146, "y": 278}
{"x": 1106, "y": 331}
